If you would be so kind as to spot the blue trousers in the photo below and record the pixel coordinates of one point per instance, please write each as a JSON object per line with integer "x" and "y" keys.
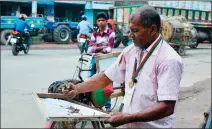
{"x": 26, "y": 38}
{"x": 91, "y": 73}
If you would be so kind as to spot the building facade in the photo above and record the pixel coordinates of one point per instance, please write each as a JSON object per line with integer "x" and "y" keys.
{"x": 62, "y": 10}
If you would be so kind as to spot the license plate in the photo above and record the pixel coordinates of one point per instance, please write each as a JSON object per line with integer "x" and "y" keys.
{"x": 82, "y": 40}
{"x": 13, "y": 40}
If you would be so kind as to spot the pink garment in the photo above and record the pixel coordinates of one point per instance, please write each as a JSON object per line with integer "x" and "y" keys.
{"x": 159, "y": 80}
{"x": 98, "y": 40}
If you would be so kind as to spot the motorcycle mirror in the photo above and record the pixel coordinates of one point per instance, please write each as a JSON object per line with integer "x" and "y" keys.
{"x": 32, "y": 25}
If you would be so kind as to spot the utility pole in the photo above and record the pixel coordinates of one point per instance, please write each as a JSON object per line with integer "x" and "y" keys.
{"x": 34, "y": 8}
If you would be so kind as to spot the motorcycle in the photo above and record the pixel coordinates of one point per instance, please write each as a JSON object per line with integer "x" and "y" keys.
{"x": 84, "y": 40}
{"x": 17, "y": 42}
{"x": 83, "y": 43}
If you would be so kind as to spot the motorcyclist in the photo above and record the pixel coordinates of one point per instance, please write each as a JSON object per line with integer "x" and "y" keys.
{"x": 84, "y": 27}
{"x": 20, "y": 25}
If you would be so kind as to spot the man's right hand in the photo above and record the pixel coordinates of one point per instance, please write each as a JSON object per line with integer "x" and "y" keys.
{"x": 70, "y": 90}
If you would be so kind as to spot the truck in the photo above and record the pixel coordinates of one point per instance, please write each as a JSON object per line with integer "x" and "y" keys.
{"x": 8, "y": 22}
{"x": 200, "y": 19}
{"x": 60, "y": 32}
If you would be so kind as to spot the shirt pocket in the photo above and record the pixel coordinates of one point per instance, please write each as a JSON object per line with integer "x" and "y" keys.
{"x": 147, "y": 88}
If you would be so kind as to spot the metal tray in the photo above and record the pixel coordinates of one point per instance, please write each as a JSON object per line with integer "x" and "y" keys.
{"x": 55, "y": 107}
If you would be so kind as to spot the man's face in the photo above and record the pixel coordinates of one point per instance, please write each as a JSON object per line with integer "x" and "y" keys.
{"x": 140, "y": 35}
{"x": 101, "y": 22}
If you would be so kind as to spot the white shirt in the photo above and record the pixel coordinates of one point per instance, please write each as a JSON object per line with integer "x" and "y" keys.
{"x": 159, "y": 80}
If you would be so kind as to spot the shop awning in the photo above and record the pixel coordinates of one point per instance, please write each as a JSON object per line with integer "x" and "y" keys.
{"x": 70, "y": 2}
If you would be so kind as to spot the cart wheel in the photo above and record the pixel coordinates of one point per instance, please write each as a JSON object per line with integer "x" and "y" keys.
{"x": 181, "y": 50}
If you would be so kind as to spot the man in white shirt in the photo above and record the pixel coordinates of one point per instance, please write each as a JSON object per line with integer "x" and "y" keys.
{"x": 151, "y": 70}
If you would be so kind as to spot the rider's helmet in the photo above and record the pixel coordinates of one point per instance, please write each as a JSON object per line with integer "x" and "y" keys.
{"x": 81, "y": 13}
{"x": 22, "y": 16}
{"x": 84, "y": 17}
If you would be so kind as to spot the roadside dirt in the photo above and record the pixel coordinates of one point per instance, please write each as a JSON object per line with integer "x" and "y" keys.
{"x": 193, "y": 102}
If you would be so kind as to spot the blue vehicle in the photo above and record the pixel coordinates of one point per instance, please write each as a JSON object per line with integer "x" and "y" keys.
{"x": 60, "y": 32}
{"x": 7, "y": 25}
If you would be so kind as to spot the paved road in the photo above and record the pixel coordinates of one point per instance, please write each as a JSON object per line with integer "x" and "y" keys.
{"x": 24, "y": 74}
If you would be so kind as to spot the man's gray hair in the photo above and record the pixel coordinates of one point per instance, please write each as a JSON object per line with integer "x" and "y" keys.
{"x": 148, "y": 16}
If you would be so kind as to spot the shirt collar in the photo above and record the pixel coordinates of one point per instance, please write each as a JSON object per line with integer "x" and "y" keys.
{"x": 105, "y": 31}
{"x": 156, "y": 49}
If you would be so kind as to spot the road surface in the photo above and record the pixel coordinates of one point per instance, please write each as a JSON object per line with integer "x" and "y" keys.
{"x": 23, "y": 74}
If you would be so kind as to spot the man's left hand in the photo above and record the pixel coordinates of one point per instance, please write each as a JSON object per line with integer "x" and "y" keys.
{"x": 118, "y": 119}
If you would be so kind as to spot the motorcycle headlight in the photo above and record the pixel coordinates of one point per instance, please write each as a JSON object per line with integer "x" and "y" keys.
{"x": 32, "y": 25}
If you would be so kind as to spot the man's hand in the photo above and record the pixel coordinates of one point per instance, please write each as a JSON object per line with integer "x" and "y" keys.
{"x": 118, "y": 119}
{"x": 69, "y": 90}
{"x": 92, "y": 44}
{"x": 104, "y": 52}
{"x": 100, "y": 49}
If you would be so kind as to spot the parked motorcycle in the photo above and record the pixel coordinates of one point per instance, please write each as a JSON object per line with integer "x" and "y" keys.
{"x": 121, "y": 36}
{"x": 17, "y": 42}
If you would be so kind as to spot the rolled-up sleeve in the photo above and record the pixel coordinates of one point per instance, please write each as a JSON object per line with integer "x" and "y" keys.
{"x": 111, "y": 39}
{"x": 116, "y": 72}
{"x": 169, "y": 77}
{"x": 91, "y": 48}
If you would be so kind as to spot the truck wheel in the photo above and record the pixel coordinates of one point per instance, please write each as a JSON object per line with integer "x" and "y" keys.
{"x": 74, "y": 35}
{"x": 181, "y": 50}
{"x": 202, "y": 36}
{"x": 194, "y": 45}
{"x": 48, "y": 38}
{"x": 45, "y": 30}
{"x": 125, "y": 41}
{"x": 62, "y": 34}
{"x": 210, "y": 37}
{"x": 4, "y": 36}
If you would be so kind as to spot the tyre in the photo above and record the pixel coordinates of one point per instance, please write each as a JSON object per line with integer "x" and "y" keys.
{"x": 125, "y": 40}
{"x": 62, "y": 34}
{"x": 4, "y": 36}
{"x": 74, "y": 35}
{"x": 48, "y": 38}
{"x": 210, "y": 37}
{"x": 202, "y": 36}
{"x": 45, "y": 30}
{"x": 181, "y": 50}
{"x": 14, "y": 50}
{"x": 26, "y": 50}
{"x": 86, "y": 46}
{"x": 194, "y": 45}
{"x": 82, "y": 47}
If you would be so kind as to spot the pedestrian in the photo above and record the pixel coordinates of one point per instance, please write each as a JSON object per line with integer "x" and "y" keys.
{"x": 102, "y": 42}
{"x": 151, "y": 70}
